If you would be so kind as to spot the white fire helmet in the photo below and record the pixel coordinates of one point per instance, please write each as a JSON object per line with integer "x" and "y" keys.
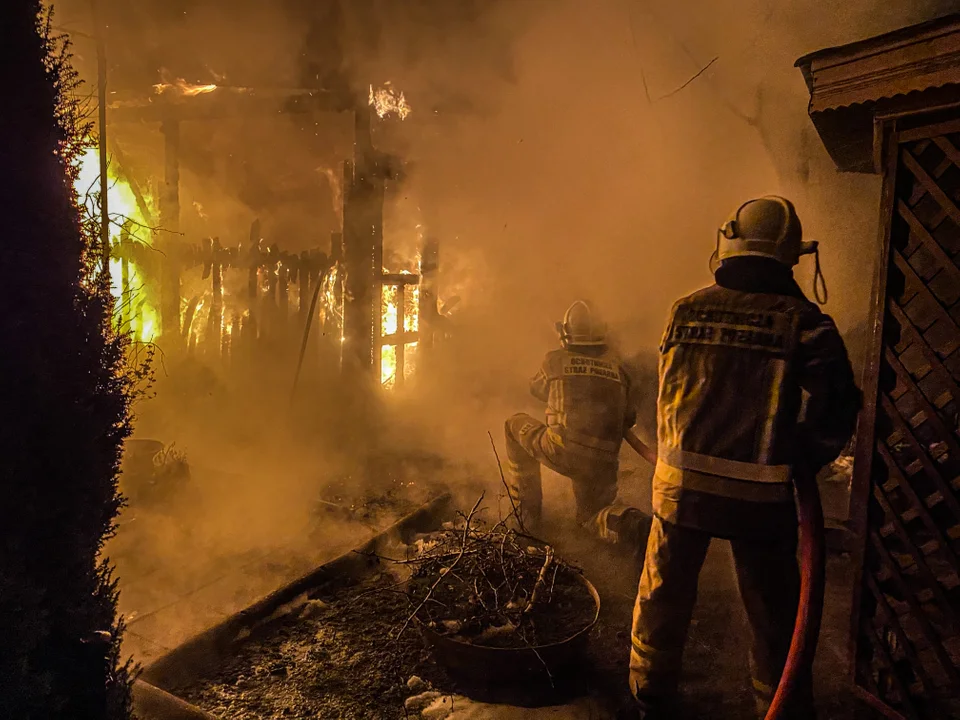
{"x": 581, "y": 327}
{"x": 764, "y": 227}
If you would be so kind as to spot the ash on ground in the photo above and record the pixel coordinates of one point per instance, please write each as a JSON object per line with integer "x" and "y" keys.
{"x": 339, "y": 657}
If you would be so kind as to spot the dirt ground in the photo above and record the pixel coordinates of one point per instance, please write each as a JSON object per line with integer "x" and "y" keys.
{"x": 715, "y": 681}
{"x": 334, "y": 658}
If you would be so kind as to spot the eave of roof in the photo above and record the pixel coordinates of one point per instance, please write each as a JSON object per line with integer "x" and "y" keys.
{"x": 909, "y": 59}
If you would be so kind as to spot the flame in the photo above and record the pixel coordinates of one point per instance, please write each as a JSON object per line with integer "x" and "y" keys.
{"x": 388, "y": 366}
{"x": 411, "y": 317}
{"x": 134, "y": 310}
{"x": 387, "y": 100}
{"x": 331, "y": 298}
{"x": 390, "y": 297}
{"x": 183, "y": 88}
{"x": 389, "y": 310}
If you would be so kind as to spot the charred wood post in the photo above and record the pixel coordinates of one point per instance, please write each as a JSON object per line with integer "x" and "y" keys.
{"x": 230, "y": 340}
{"x": 283, "y": 298}
{"x": 270, "y": 266}
{"x": 363, "y": 247}
{"x": 401, "y": 303}
{"x": 253, "y": 288}
{"x": 303, "y": 293}
{"x": 215, "y": 323}
{"x": 337, "y": 293}
{"x": 429, "y": 292}
{"x": 316, "y": 265}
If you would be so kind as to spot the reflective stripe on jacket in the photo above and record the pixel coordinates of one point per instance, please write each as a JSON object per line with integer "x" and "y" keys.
{"x": 733, "y": 368}
{"x": 587, "y": 401}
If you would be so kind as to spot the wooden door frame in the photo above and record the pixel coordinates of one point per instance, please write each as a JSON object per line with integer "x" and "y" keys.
{"x": 891, "y": 133}
{"x": 887, "y": 155}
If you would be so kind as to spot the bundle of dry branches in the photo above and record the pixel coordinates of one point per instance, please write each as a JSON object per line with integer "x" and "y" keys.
{"x": 494, "y": 586}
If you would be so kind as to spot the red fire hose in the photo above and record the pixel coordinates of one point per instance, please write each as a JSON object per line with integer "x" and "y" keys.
{"x": 806, "y": 630}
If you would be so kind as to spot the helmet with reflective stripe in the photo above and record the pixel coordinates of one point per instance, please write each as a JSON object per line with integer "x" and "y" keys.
{"x": 581, "y": 327}
{"x": 764, "y": 227}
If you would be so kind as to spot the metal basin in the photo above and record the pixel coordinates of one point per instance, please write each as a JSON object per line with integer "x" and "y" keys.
{"x": 491, "y": 674}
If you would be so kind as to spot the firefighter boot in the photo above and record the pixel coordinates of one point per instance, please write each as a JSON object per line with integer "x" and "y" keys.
{"x": 634, "y": 708}
{"x": 634, "y": 531}
{"x": 628, "y": 527}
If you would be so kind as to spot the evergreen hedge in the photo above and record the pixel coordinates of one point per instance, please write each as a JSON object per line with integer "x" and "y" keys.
{"x": 65, "y": 394}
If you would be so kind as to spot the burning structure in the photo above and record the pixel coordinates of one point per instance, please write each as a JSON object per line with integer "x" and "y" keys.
{"x": 228, "y": 301}
{"x": 229, "y": 284}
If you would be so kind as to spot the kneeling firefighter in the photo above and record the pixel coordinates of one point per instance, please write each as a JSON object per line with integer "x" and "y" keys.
{"x": 587, "y": 394}
{"x": 734, "y": 438}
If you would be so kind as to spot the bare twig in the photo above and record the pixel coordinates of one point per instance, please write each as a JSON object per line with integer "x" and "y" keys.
{"x": 540, "y": 578}
{"x": 476, "y": 589}
{"x": 416, "y": 560}
{"x": 496, "y": 595}
{"x": 503, "y": 479}
{"x": 553, "y": 581}
{"x": 543, "y": 662}
{"x": 698, "y": 74}
{"x": 443, "y": 574}
{"x": 636, "y": 52}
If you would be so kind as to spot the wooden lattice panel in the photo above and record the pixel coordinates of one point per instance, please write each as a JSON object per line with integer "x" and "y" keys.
{"x": 908, "y": 620}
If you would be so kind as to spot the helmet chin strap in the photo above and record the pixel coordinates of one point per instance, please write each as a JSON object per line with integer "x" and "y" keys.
{"x": 819, "y": 281}
{"x": 820, "y": 293}
{"x": 714, "y": 262}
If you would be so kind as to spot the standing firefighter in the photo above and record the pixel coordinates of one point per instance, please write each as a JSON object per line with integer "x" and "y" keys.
{"x": 587, "y": 394}
{"x": 734, "y": 434}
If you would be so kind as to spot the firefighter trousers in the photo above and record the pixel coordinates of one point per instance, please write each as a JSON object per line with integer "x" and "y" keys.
{"x": 769, "y": 580}
{"x": 529, "y": 446}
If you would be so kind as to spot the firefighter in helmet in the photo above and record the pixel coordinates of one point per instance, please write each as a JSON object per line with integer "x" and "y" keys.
{"x": 587, "y": 393}
{"x": 733, "y": 436}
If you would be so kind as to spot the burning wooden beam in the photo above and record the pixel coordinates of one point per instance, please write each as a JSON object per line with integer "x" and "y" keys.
{"x": 225, "y": 102}
{"x": 363, "y": 246}
{"x": 429, "y": 291}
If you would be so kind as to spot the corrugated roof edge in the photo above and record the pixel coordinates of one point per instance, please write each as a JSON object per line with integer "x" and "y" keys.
{"x": 905, "y": 33}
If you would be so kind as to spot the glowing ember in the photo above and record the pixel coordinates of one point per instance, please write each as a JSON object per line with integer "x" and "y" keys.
{"x": 182, "y": 87}
{"x": 387, "y": 100}
{"x": 390, "y": 298}
{"x": 135, "y": 313}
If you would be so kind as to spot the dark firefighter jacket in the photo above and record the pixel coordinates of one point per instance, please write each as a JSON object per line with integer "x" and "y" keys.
{"x": 733, "y": 429}
{"x": 587, "y": 393}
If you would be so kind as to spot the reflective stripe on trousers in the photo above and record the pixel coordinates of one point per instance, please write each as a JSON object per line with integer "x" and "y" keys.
{"x": 768, "y": 578}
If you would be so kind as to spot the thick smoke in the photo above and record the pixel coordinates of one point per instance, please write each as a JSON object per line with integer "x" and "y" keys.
{"x": 558, "y": 149}
{"x": 592, "y": 169}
